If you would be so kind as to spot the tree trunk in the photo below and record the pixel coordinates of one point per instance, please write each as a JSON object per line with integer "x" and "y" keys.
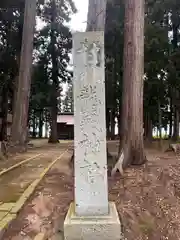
{"x": 46, "y": 124}
{"x": 175, "y": 28}
{"x": 19, "y": 125}
{"x": 46, "y": 129}
{"x": 4, "y": 113}
{"x": 34, "y": 125}
{"x": 55, "y": 85}
{"x": 170, "y": 118}
{"x": 96, "y": 15}
{"x": 112, "y": 124}
{"x": 148, "y": 127}
{"x": 40, "y": 123}
{"x": 160, "y": 124}
{"x": 175, "y": 115}
{"x": 176, "y": 124}
{"x": 159, "y": 120}
{"x": 135, "y": 56}
{"x": 132, "y": 110}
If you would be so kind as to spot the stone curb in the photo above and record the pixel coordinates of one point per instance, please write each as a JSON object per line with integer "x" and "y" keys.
{"x": 18, "y": 164}
{"x": 5, "y": 223}
{"x": 24, "y": 197}
{"x": 28, "y": 192}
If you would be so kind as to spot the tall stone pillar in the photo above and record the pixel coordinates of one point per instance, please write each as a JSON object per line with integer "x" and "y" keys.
{"x": 91, "y": 216}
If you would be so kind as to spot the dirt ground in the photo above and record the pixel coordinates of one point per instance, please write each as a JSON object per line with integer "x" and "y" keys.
{"x": 37, "y": 146}
{"x": 147, "y": 199}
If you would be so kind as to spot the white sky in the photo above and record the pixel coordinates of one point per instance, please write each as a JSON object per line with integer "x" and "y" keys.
{"x": 78, "y": 22}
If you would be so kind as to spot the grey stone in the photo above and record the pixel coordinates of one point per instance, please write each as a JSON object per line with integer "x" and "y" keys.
{"x": 91, "y": 217}
{"x": 91, "y": 193}
{"x": 92, "y": 228}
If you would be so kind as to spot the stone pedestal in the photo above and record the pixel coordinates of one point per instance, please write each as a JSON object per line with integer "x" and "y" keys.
{"x": 92, "y": 228}
{"x": 91, "y": 216}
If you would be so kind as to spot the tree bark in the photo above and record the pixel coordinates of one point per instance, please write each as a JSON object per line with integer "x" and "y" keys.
{"x": 34, "y": 125}
{"x": 5, "y": 91}
{"x": 176, "y": 124}
{"x": 55, "y": 85}
{"x": 148, "y": 127}
{"x": 170, "y": 118}
{"x": 4, "y": 112}
{"x": 175, "y": 28}
{"x": 132, "y": 145}
{"x": 112, "y": 124}
{"x": 134, "y": 70}
{"x": 96, "y": 15}
{"x": 159, "y": 120}
{"x": 160, "y": 124}
{"x": 40, "y": 123}
{"x": 108, "y": 123}
{"x": 20, "y": 117}
{"x": 46, "y": 124}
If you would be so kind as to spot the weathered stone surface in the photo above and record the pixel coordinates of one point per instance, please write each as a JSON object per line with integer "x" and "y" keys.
{"x": 96, "y": 228}
{"x": 91, "y": 195}
{"x": 91, "y": 216}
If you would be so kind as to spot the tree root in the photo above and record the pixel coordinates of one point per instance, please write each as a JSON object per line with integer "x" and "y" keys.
{"x": 175, "y": 147}
{"x": 118, "y": 165}
{"x": 4, "y": 150}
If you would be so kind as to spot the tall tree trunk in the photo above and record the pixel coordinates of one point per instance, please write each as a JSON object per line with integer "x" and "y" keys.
{"x": 96, "y": 15}
{"x": 5, "y": 90}
{"x": 159, "y": 120}
{"x": 54, "y": 135}
{"x": 148, "y": 127}
{"x": 175, "y": 28}
{"x": 112, "y": 124}
{"x": 133, "y": 84}
{"x": 176, "y": 124}
{"x": 114, "y": 82}
{"x": 170, "y": 118}
{"x": 4, "y": 113}
{"x": 132, "y": 127}
{"x": 34, "y": 125}
{"x": 150, "y": 131}
{"x": 40, "y": 123}
{"x": 46, "y": 124}
{"x": 55, "y": 85}
{"x": 46, "y": 129}
{"x": 160, "y": 124}
{"x": 20, "y": 117}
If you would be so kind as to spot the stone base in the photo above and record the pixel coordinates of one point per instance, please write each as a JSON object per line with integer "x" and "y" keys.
{"x": 92, "y": 228}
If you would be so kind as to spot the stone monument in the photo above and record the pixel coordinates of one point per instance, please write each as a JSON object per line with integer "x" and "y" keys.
{"x": 91, "y": 216}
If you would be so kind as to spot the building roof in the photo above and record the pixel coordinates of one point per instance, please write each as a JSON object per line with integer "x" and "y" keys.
{"x": 67, "y": 118}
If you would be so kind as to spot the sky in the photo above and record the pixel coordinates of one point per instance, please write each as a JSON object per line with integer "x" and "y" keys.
{"x": 78, "y": 22}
